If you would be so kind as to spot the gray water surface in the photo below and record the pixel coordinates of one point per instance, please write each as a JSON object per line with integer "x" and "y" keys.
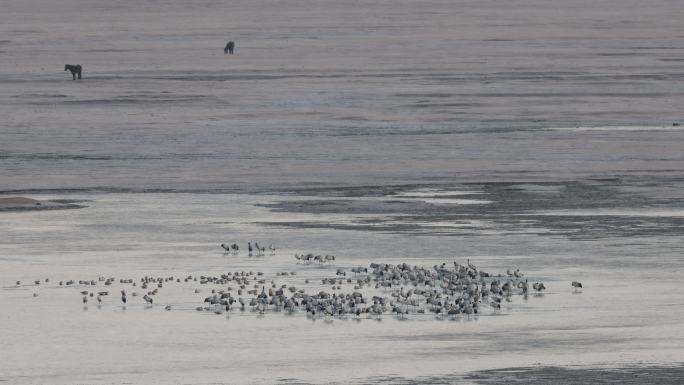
{"x": 522, "y": 134}
{"x": 336, "y": 92}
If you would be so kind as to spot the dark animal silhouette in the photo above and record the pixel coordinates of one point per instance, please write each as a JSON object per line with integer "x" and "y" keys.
{"x": 230, "y": 47}
{"x": 75, "y": 70}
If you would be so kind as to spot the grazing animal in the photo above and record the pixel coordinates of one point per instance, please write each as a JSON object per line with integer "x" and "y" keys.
{"x": 230, "y": 47}
{"x": 225, "y": 247}
{"x": 577, "y": 285}
{"x": 75, "y": 70}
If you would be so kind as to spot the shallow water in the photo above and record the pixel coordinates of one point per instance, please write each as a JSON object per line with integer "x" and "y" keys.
{"x": 528, "y": 134}
{"x": 54, "y": 339}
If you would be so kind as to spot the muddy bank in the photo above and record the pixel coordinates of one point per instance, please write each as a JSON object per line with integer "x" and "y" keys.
{"x": 30, "y": 204}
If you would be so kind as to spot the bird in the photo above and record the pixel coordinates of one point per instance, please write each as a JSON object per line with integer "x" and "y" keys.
{"x": 538, "y": 286}
{"x": 260, "y": 250}
{"x": 470, "y": 265}
{"x": 249, "y": 247}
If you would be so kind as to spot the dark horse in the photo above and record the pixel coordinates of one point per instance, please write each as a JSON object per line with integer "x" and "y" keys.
{"x": 230, "y": 47}
{"x": 75, "y": 70}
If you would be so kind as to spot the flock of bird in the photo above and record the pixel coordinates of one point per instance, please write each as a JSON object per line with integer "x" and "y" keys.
{"x": 308, "y": 258}
{"x": 260, "y": 250}
{"x": 445, "y": 290}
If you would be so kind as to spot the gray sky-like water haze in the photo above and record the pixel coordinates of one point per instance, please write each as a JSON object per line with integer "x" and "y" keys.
{"x": 335, "y": 92}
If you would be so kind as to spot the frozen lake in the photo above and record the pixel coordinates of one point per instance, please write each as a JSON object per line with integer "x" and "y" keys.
{"x": 525, "y": 134}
